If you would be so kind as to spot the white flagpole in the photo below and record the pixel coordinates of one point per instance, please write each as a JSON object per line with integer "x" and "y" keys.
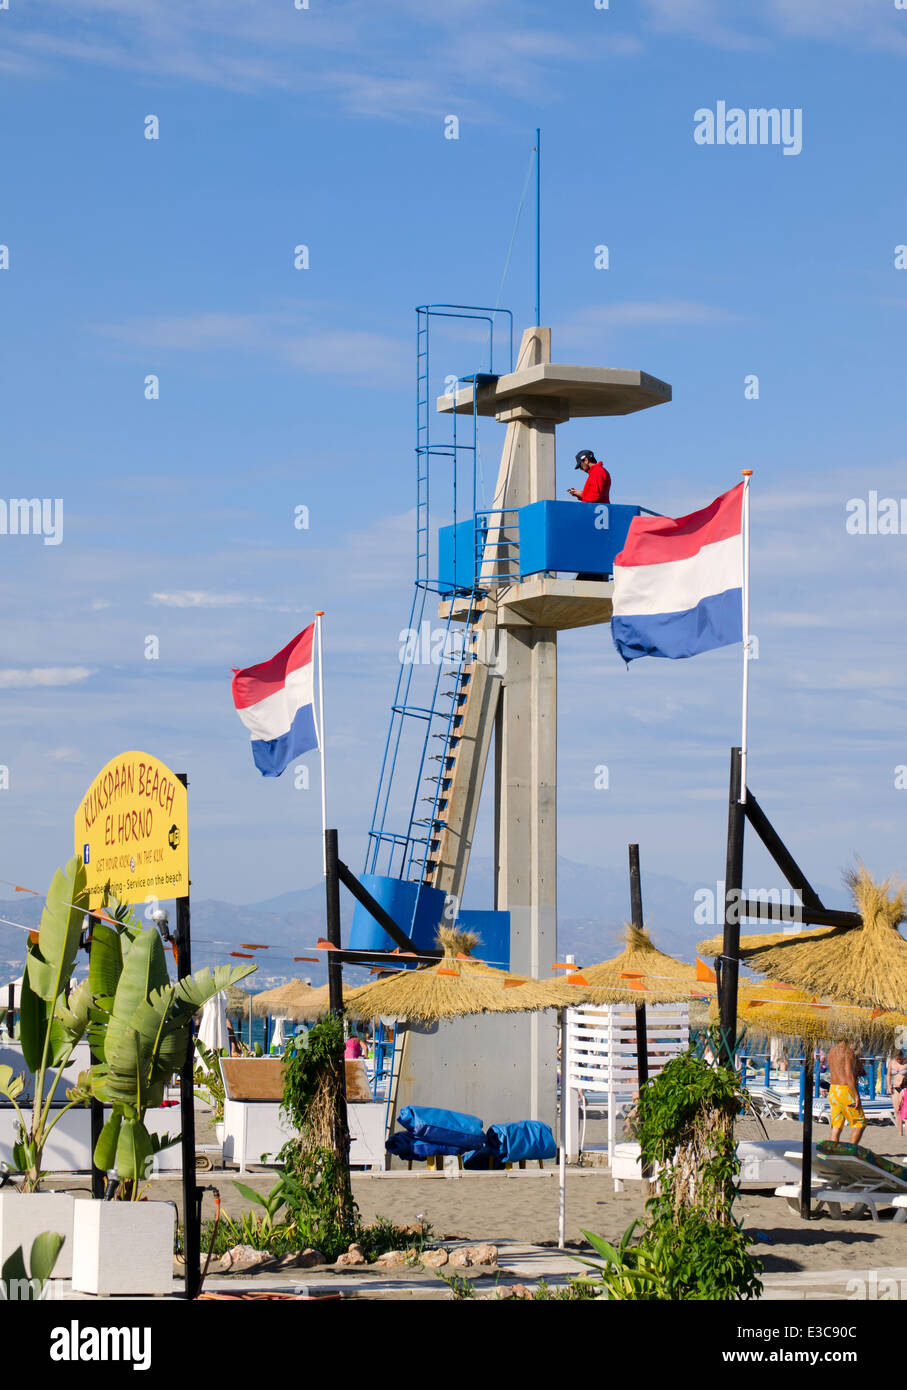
{"x": 747, "y": 474}
{"x": 321, "y": 738}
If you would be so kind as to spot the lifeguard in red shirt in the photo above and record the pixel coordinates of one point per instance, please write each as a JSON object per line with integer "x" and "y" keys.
{"x": 598, "y": 479}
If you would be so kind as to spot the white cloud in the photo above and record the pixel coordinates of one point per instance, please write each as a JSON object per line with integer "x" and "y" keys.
{"x": 593, "y": 321}
{"x": 394, "y": 61}
{"x": 43, "y": 675}
{"x": 198, "y": 598}
{"x": 281, "y": 336}
{"x": 864, "y": 23}
{"x": 64, "y": 755}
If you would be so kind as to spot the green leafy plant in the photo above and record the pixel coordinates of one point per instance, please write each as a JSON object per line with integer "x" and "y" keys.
{"x": 49, "y": 1026}
{"x": 459, "y": 1285}
{"x": 139, "y": 1028}
{"x": 209, "y": 1082}
{"x": 262, "y": 1232}
{"x": 692, "y": 1246}
{"x": 23, "y": 1286}
{"x": 578, "y": 1290}
{"x": 383, "y": 1235}
{"x": 323, "y": 1210}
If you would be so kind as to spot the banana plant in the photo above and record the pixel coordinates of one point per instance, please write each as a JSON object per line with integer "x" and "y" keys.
{"x": 140, "y": 1031}
{"x": 49, "y": 1026}
{"x": 28, "y": 1285}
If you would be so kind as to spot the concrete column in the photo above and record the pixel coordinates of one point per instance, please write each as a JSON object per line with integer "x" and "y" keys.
{"x": 526, "y": 819}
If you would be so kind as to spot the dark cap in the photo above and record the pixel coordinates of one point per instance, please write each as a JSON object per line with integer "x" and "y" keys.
{"x": 584, "y": 454}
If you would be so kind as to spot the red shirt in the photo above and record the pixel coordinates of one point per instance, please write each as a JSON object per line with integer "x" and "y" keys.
{"x": 598, "y": 485}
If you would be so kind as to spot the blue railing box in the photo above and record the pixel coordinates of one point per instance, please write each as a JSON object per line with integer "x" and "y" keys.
{"x": 582, "y": 537}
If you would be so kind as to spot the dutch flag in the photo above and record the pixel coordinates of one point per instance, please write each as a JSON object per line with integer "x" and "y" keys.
{"x": 678, "y": 584}
{"x": 276, "y": 702}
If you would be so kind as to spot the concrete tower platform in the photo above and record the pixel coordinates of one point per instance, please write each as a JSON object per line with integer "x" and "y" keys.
{"x": 503, "y": 1067}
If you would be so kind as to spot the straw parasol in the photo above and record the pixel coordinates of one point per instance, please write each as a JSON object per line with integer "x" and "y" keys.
{"x": 236, "y": 999}
{"x": 294, "y": 1000}
{"x": 641, "y": 974}
{"x": 455, "y": 986}
{"x": 864, "y": 965}
{"x": 774, "y": 1010}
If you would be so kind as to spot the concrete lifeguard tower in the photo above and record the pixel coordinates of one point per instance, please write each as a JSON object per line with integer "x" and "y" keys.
{"x": 504, "y": 581}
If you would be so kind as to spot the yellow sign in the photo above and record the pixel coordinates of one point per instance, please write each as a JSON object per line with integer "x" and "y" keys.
{"x": 132, "y": 830}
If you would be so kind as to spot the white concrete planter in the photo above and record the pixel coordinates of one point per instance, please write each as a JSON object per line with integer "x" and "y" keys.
{"x": 123, "y": 1247}
{"x": 24, "y": 1215}
{"x": 220, "y": 1130}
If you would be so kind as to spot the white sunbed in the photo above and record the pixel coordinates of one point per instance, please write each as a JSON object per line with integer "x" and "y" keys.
{"x": 840, "y": 1180}
{"x": 776, "y": 1105}
{"x": 762, "y": 1163}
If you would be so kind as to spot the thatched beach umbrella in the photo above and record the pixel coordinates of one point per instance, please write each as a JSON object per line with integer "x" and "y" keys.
{"x": 864, "y": 965}
{"x": 773, "y": 1010}
{"x": 294, "y": 1000}
{"x": 453, "y": 987}
{"x": 641, "y": 974}
{"x": 320, "y": 1003}
{"x": 236, "y": 1000}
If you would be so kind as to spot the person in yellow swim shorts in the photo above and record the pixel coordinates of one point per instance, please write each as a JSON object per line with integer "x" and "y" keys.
{"x": 844, "y": 1069}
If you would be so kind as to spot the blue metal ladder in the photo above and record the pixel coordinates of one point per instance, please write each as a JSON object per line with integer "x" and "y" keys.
{"x": 424, "y": 715}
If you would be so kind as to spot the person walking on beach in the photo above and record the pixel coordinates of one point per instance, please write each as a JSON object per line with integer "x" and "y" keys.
{"x": 844, "y": 1069}
{"x": 897, "y": 1079}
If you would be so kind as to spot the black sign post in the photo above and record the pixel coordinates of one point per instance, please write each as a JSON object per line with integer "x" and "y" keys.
{"x": 96, "y": 1108}
{"x": 192, "y": 1234}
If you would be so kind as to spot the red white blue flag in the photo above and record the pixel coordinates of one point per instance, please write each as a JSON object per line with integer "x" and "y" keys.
{"x": 678, "y": 583}
{"x": 276, "y": 702}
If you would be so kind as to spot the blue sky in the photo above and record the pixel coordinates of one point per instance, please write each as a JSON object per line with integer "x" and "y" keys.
{"x": 281, "y": 388}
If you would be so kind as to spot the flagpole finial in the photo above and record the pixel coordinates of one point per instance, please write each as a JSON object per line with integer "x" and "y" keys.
{"x": 319, "y": 612}
{"x": 746, "y": 472}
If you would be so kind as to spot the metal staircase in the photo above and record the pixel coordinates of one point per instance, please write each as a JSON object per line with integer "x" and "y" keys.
{"x": 437, "y": 657}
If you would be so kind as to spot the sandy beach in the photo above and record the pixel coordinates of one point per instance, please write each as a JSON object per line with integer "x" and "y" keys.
{"x": 523, "y": 1206}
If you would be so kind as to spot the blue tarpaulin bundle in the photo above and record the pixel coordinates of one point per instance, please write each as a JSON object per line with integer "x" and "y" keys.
{"x": 428, "y": 1131}
{"x": 523, "y": 1139}
{"x": 453, "y": 1131}
{"x": 406, "y": 1145}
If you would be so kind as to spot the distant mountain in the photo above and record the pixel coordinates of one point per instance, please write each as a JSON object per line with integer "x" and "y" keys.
{"x": 593, "y": 904}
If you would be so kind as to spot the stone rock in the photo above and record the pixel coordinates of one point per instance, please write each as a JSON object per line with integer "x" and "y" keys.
{"x": 301, "y": 1259}
{"x": 514, "y": 1291}
{"x": 391, "y": 1259}
{"x": 469, "y": 1255}
{"x": 434, "y": 1259}
{"x": 290, "y": 1260}
{"x": 242, "y": 1259}
{"x": 354, "y": 1256}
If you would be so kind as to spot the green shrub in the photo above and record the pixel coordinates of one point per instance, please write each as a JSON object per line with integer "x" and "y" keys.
{"x": 692, "y": 1246}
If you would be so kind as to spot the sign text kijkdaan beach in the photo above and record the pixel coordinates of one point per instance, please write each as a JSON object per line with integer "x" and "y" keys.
{"x": 131, "y": 830}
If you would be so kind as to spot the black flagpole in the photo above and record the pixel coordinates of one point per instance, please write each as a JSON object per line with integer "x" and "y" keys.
{"x": 733, "y": 890}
